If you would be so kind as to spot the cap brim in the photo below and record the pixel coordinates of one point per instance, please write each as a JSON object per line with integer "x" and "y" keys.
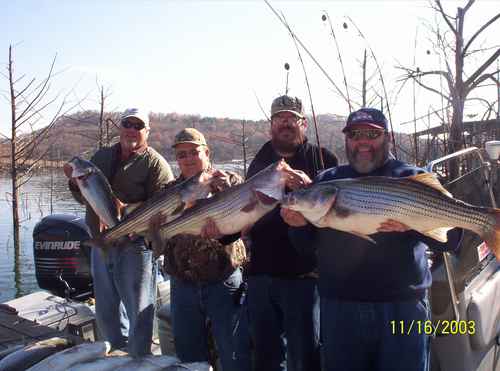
{"x": 362, "y": 124}
{"x": 189, "y": 142}
{"x": 146, "y": 123}
{"x": 287, "y": 110}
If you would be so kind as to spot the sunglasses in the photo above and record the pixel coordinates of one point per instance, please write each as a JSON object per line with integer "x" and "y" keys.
{"x": 357, "y": 134}
{"x": 137, "y": 125}
{"x": 180, "y": 155}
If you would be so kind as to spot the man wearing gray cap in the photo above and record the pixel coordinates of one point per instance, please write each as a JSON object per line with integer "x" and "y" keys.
{"x": 282, "y": 299}
{"x": 125, "y": 277}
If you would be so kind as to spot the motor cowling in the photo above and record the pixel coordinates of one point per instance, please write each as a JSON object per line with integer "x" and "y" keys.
{"x": 62, "y": 263}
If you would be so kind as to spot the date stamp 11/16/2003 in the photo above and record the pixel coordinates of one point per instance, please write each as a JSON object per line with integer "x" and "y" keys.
{"x": 440, "y": 327}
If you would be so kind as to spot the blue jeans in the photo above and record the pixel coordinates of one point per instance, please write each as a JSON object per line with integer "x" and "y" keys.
{"x": 191, "y": 306}
{"x": 124, "y": 280}
{"x": 359, "y": 336}
{"x": 284, "y": 322}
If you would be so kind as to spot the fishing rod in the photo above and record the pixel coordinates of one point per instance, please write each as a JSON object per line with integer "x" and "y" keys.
{"x": 308, "y": 52}
{"x": 321, "y": 161}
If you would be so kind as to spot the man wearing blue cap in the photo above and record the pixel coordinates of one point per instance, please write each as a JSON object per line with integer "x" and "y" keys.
{"x": 362, "y": 286}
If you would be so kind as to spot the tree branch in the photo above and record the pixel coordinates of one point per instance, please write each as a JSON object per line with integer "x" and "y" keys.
{"x": 445, "y": 17}
{"x": 490, "y": 22}
{"x": 484, "y": 66}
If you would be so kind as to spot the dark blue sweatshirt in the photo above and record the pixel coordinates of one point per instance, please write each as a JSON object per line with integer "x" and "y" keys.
{"x": 271, "y": 251}
{"x": 354, "y": 269}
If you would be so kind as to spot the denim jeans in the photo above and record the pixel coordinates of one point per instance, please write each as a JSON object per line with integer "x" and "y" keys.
{"x": 284, "y": 323}
{"x": 124, "y": 280}
{"x": 191, "y": 306}
{"x": 359, "y": 336}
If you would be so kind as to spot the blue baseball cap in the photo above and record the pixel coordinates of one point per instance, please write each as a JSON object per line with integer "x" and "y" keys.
{"x": 366, "y": 116}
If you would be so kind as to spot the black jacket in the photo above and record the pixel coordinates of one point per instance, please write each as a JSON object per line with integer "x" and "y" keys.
{"x": 271, "y": 251}
{"x": 354, "y": 269}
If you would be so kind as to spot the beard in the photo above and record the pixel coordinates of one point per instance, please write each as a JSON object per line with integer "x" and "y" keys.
{"x": 287, "y": 144}
{"x": 364, "y": 164}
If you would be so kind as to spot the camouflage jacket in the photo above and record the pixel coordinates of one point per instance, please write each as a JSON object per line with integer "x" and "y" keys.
{"x": 198, "y": 260}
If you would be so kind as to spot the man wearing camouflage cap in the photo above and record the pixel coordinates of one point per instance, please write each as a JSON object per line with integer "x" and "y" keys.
{"x": 205, "y": 271}
{"x": 282, "y": 298}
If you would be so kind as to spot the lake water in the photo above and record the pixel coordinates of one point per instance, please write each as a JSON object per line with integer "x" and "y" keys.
{"x": 43, "y": 195}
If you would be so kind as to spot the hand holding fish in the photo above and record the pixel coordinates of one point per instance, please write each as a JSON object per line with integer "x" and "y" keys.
{"x": 293, "y": 218}
{"x": 296, "y": 179}
{"x": 152, "y": 234}
{"x": 210, "y": 230}
{"x": 220, "y": 180}
{"x": 391, "y": 225}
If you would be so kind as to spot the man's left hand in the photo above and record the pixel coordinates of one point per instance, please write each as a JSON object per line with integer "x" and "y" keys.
{"x": 391, "y": 225}
{"x": 210, "y": 230}
{"x": 220, "y": 180}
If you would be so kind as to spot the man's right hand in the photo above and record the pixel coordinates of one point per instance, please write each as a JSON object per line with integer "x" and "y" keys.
{"x": 293, "y": 218}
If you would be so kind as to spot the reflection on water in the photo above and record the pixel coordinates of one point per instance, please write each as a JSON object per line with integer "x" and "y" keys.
{"x": 42, "y": 195}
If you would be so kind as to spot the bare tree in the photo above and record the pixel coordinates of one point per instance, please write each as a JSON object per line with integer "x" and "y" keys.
{"x": 28, "y": 105}
{"x": 456, "y": 51}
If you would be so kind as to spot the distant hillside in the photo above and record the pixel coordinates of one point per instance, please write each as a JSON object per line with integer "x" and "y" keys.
{"x": 77, "y": 134}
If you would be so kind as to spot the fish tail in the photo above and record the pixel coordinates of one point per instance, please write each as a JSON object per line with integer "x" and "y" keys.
{"x": 492, "y": 238}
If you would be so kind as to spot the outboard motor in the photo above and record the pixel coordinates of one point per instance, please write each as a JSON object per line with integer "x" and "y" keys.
{"x": 62, "y": 263}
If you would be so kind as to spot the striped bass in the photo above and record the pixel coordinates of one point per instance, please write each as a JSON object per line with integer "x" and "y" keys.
{"x": 234, "y": 208}
{"x": 33, "y": 353}
{"x": 63, "y": 360}
{"x": 360, "y": 205}
{"x": 169, "y": 202}
{"x": 101, "y": 363}
{"x": 96, "y": 190}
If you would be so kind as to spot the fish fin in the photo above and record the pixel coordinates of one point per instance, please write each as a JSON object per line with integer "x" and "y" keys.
{"x": 363, "y": 236}
{"x": 439, "y": 234}
{"x": 264, "y": 198}
{"x": 179, "y": 209}
{"x": 432, "y": 181}
{"x": 249, "y": 207}
{"x": 492, "y": 238}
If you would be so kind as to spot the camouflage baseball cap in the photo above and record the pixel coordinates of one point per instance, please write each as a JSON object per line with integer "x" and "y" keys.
{"x": 190, "y": 135}
{"x": 286, "y": 103}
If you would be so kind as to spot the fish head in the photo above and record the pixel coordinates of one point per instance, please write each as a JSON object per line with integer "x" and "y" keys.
{"x": 80, "y": 167}
{"x": 270, "y": 181}
{"x": 313, "y": 202}
{"x": 195, "y": 188}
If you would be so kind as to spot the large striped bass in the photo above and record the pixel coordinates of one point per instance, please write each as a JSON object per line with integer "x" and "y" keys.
{"x": 360, "y": 205}
{"x": 33, "y": 353}
{"x": 96, "y": 190}
{"x": 63, "y": 360}
{"x": 169, "y": 202}
{"x": 234, "y": 208}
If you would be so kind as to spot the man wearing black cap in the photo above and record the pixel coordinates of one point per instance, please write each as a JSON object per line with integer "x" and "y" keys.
{"x": 282, "y": 294}
{"x": 362, "y": 286}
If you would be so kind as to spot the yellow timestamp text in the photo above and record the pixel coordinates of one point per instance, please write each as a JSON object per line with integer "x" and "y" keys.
{"x": 440, "y": 327}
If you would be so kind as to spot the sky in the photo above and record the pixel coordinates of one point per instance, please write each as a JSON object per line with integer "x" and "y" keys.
{"x": 221, "y": 58}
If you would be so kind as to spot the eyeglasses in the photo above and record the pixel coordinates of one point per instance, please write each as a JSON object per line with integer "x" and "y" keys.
{"x": 357, "y": 134}
{"x": 137, "y": 125}
{"x": 180, "y": 155}
{"x": 292, "y": 119}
